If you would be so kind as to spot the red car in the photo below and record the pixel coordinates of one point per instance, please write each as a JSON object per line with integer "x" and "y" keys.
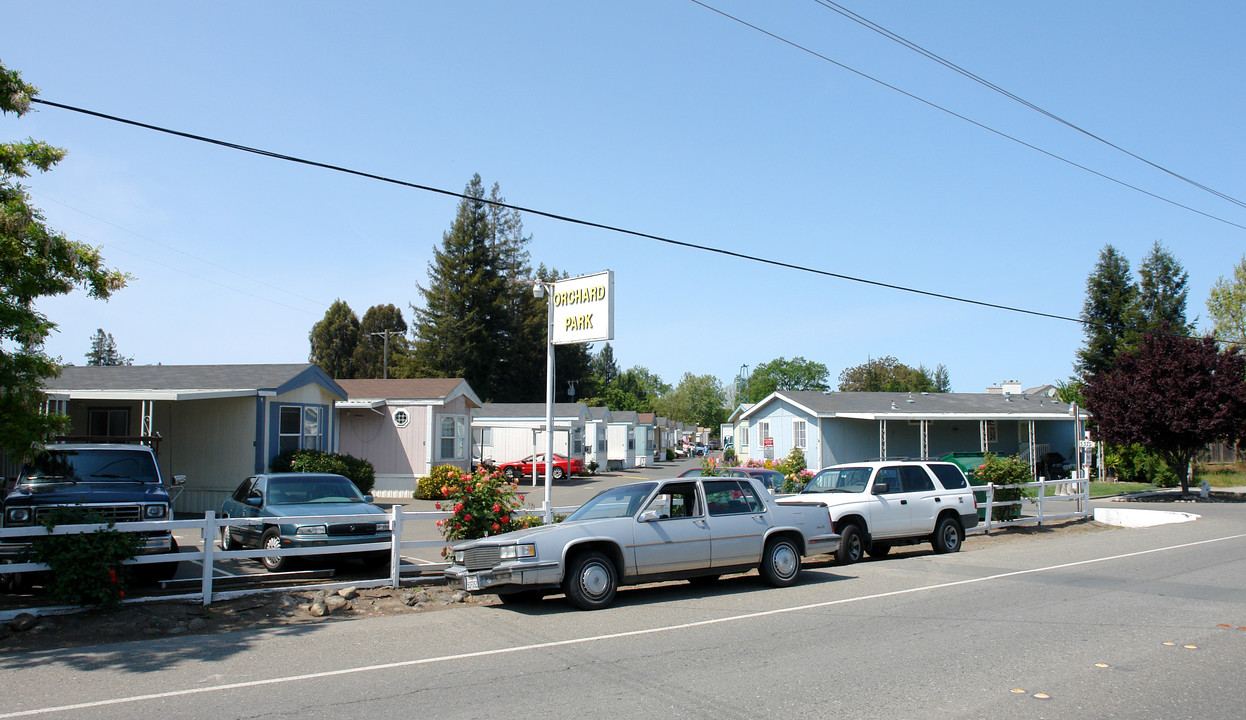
{"x": 562, "y": 467}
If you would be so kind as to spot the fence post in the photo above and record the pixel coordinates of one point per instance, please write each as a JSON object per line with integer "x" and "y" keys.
{"x": 990, "y": 503}
{"x": 209, "y": 538}
{"x": 1042, "y": 495}
{"x": 395, "y": 547}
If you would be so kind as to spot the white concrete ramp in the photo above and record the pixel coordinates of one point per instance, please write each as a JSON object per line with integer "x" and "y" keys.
{"x": 1132, "y": 518}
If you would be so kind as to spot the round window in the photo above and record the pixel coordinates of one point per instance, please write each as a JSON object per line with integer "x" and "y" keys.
{"x": 401, "y": 418}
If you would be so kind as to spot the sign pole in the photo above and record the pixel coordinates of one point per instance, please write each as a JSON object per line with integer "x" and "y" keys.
{"x": 549, "y": 405}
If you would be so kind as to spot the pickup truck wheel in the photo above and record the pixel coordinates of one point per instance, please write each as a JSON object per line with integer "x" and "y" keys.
{"x": 158, "y": 572}
{"x": 780, "y": 563}
{"x": 272, "y": 541}
{"x": 851, "y": 545}
{"x": 879, "y": 549}
{"x": 559, "y": 473}
{"x": 591, "y": 581}
{"x": 510, "y": 473}
{"x": 227, "y": 539}
{"x": 948, "y": 536}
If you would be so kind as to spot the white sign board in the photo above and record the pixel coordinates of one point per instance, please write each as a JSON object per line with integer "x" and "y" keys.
{"x": 584, "y": 309}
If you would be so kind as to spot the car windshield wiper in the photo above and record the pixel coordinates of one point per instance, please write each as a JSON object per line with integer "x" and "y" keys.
{"x": 111, "y": 476}
{"x": 51, "y": 478}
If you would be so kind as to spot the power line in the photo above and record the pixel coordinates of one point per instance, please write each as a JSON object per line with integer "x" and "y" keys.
{"x": 556, "y": 216}
{"x": 958, "y": 116}
{"x": 835, "y": 7}
{"x": 577, "y": 221}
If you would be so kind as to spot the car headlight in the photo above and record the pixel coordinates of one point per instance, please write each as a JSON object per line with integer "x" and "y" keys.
{"x": 19, "y": 515}
{"x": 311, "y": 530}
{"x": 513, "y": 552}
{"x": 382, "y": 527}
{"x": 154, "y": 511}
{"x": 459, "y": 555}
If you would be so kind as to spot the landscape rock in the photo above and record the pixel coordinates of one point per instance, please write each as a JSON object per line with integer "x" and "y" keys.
{"x": 350, "y": 593}
{"x": 318, "y": 609}
{"x": 197, "y": 624}
{"x": 23, "y": 622}
{"x": 336, "y": 602}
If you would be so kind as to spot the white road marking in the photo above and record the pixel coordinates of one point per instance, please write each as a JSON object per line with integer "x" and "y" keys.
{"x": 594, "y": 638}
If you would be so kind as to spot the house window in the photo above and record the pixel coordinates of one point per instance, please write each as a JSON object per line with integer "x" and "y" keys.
{"x": 108, "y": 422}
{"x": 992, "y": 431}
{"x": 311, "y": 428}
{"x": 298, "y": 428}
{"x": 577, "y": 442}
{"x": 401, "y": 418}
{"x": 798, "y": 434}
{"x": 763, "y": 431}
{"x": 452, "y": 432}
{"x": 631, "y": 439}
{"x": 743, "y": 436}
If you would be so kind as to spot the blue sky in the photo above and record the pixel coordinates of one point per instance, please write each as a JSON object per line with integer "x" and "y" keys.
{"x": 660, "y": 117}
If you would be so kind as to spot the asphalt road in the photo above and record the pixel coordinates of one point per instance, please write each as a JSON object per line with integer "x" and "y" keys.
{"x": 1141, "y": 623}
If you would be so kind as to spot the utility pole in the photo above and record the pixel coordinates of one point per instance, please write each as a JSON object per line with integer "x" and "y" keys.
{"x": 385, "y": 358}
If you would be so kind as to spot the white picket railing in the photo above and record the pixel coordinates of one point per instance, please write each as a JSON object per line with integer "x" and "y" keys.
{"x": 1073, "y": 490}
{"x": 207, "y": 555}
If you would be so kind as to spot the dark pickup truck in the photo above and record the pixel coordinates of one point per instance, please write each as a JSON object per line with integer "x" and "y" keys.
{"x": 114, "y": 482}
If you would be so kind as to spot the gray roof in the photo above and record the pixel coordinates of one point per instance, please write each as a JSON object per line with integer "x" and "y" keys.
{"x": 141, "y": 378}
{"x": 517, "y": 411}
{"x": 598, "y": 413}
{"x": 626, "y": 416}
{"x": 869, "y": 405}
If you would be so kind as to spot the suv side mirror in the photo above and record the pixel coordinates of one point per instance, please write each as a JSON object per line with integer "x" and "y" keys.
{"x": 649, "y": 516}
{"x": 179, "y": 480}
{"x": 881, "y": 488}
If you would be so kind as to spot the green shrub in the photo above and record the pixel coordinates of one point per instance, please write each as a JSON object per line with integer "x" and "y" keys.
{"x": 482, "y": 504}
{"x": 670, "y": 454}
{"x": 729, "y": 457}
{"x": 429, "y": 488}
{"x": 1005, "y": 472}
{"x": 1135, "y": 463}
{"x": 86, "y": 568}
{"x": 709, "y": 468}
{"x": 355, "y": 469}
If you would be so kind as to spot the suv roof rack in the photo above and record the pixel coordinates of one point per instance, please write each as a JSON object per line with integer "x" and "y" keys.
{"x": 151, "y": 441}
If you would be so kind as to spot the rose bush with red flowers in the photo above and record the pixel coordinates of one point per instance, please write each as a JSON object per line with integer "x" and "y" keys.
{"x": 483, "y": 503}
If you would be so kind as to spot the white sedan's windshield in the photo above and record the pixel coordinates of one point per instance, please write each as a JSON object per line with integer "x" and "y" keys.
{"x": 847, "y": 480}
{"x": 622, "y": 501}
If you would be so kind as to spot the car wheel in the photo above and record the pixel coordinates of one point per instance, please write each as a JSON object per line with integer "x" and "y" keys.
{"x": 559, "y": 473}
{"x": 948, "y": 536}
{"x": 271, "y": 540}
{"x": 591, "y": 582}
{"x": 227, "y": 539}
{"x": 511, "y": 473}
{"x": 523, "y": 597}
{"x": 780, "y": 563}
{"x": 851, "y": 545}
{"x": 879, "y": 549}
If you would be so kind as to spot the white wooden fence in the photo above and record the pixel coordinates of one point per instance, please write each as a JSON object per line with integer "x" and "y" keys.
{"x": 1074, "y": 490}
{"x": 207, "y": 555}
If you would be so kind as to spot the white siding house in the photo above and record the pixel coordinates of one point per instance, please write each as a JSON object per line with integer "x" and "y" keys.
{"x": 621, "y": 440}
{"x": 595, "y": 435}
{"x": 513, "y": 431}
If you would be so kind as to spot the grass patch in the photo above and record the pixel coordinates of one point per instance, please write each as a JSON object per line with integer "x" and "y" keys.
{"x": 1100, "y": 489}
{"x": 1221, "y": 475}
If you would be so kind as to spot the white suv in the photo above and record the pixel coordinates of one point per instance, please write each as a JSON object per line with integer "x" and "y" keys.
{"x": 876, "y": 505}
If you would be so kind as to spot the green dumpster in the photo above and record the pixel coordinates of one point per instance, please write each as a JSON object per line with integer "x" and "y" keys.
{"x": 968, "y": 462}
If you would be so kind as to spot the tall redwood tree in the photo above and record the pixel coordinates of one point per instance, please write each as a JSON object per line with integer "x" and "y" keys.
{"x": 1173, "y": 395}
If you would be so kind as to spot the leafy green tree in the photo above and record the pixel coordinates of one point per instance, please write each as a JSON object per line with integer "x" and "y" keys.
{"x": 698, "y": 400}
{"x": 636, "y": 389}
{"x": 333, "y": 341}
{"x": 368, "y": 359}
{"x": 1110, "y": 294}
{"x": 783, "y": 374}
{"x": 1172, "y": 395}
{"x": 887, "y": 374}
{"x": 35, "y": 262}
{"x": 1226, "y": 303}
{"x": 603, "y": 370}
{"x": 104, "y": 350}
{"x": 1162, "y": 293}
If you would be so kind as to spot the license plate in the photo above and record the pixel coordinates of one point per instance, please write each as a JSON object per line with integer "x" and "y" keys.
{"x": 471, "y": 582}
